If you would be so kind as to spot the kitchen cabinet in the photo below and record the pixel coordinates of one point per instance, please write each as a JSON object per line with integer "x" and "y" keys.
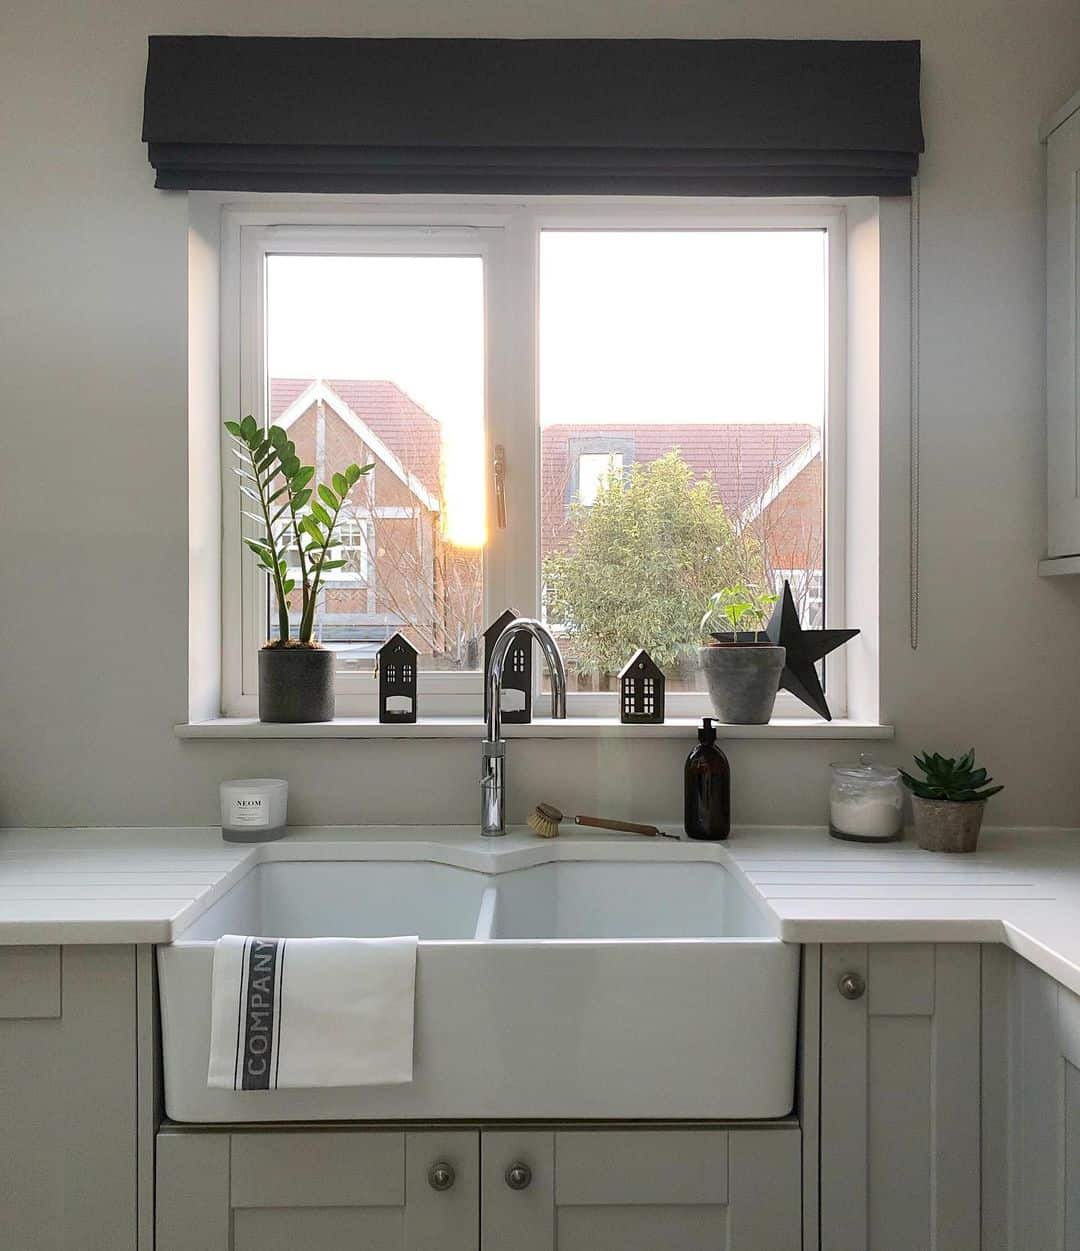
{"x": 640, "y": 1189}
{"x": 603, "y": 1189}
{"x": 1062, "y": 137}
{"x": 1044, "y": 1112}
{"x": 68, "y": 1098}
{"x": 899, "y": 1103}
{"x": 325, "y": 1190}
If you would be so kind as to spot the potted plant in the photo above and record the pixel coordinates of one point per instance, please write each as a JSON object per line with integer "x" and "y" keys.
{"x": 949, "y": 802}
{"x": 292, "y": 511}
{"x": 742, "y": 665}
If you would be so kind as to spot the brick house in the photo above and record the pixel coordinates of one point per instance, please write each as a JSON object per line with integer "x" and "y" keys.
{"x": 401, "y": 574}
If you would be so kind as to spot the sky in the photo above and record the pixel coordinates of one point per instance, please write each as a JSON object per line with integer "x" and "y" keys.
{"x": 634, "y": 325}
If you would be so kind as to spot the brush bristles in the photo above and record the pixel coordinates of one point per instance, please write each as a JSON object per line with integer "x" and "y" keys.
{"x": 543, "y": 825}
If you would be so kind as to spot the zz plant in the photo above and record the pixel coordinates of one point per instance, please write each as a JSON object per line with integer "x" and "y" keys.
{"x": 293, "y": 511}
{"x": 945, "y": 777}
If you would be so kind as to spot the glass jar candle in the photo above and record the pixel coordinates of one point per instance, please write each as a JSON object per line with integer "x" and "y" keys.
{"x": 866, "y": 802}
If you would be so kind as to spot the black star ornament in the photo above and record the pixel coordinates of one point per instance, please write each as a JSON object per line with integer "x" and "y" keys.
{"x": 804, "y": 649}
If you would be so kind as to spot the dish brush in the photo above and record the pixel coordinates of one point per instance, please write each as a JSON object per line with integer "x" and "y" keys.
{"x": 545, "y": 819}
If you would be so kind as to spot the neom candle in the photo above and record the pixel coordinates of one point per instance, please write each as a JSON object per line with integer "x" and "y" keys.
{"x": 253, "y": 810}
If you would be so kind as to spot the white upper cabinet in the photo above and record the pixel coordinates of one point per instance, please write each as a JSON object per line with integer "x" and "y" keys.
{"x": 1062, "y": 138}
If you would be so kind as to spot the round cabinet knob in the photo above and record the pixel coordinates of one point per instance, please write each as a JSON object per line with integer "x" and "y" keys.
{"x": 851, "y": 986}
{"x": 518, "y": 1176}
{"x": 441, "y": 1176}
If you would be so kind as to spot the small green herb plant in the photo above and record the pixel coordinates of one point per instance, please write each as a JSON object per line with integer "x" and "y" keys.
{"x": 741, "y": 607}
{"x": 293, "y": 511}
{"x": 948, "y": 778}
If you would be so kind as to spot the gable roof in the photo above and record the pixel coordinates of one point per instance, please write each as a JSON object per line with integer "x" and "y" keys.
{"x": 782, "y": 479}
{"x": 409, "y": 432}
{"x": 396, "y": 642}
{"x": 641, "y": 656}
{"x": 749, "y": 463}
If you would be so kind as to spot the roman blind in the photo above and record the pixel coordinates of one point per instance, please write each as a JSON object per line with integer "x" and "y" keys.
{"x": 561, "y": 116}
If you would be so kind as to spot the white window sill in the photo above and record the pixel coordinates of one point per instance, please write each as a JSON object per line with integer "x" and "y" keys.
{"x": 572, "y": 727}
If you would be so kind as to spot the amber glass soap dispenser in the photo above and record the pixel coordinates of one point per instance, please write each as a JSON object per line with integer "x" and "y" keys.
{"x": 707, "y": 812}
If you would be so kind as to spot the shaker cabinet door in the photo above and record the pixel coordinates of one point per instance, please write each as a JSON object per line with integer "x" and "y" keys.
{"x": 1045, "y": 1113}
{"x": 900, "y": 1096}
{"x": 320, "y": 1191}
{"x": 68, "y": 1098}
{"x": 639, "y": 1190}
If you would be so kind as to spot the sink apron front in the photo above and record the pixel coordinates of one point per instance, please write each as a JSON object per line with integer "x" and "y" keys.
{"x": 553, "y": 1028}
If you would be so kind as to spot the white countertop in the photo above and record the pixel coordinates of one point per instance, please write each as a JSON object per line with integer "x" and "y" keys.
{"x": 1021, "y": 888}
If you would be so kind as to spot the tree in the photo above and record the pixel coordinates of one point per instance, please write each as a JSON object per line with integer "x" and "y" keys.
{"x": 641, "y": 562}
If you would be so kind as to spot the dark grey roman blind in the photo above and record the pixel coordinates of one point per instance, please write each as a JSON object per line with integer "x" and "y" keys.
{"x": 620, "y": 116}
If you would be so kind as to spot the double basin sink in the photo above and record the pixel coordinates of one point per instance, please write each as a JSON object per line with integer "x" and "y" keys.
{"x": 572, "y": 988}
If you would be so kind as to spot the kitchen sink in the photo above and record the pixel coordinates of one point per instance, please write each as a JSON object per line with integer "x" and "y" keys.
{"x": 567, "y": 988}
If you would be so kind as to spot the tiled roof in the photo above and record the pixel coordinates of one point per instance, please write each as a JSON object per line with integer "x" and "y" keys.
{"x": 740, "y": 458}
{"x": 410, "y": 432}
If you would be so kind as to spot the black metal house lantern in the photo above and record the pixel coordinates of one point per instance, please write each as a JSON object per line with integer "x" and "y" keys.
{"x": 397, "y": 681}
{"x": 516, "y": 674}
{"x": 641, "y": 691}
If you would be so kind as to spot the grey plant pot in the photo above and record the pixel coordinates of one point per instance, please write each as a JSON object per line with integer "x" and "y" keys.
{"x": 742, "y": 681}
{"x": 296, "y": 684}
{"x": 946, "y": 825}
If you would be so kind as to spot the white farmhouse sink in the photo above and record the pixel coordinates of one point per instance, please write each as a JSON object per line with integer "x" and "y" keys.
{"x": 564, "y": 990}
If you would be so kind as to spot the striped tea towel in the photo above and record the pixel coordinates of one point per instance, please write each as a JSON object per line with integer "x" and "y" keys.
{"x": 301, "y": 1012}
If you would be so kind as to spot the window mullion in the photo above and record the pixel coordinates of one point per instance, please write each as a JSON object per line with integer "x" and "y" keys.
{"x": 513, "y": 418}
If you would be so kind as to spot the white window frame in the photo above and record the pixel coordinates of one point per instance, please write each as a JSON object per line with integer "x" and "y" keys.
{"x": 505, "y": 234}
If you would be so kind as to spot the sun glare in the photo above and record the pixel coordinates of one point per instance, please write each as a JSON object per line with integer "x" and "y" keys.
{"x": 464, "y": 519}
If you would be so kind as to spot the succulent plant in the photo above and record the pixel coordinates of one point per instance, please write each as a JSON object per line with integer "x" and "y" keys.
{"x": 948, "y": 778}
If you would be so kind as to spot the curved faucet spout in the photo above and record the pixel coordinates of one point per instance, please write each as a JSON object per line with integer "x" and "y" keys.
{"x": 540, "y": 632}
{"x": 493, "y": 802}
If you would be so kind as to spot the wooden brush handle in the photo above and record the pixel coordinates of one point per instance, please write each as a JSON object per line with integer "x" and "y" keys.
{"x": 626, "y": 827}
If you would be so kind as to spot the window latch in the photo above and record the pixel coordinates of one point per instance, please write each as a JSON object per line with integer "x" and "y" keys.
{"x": 498, "y": 469}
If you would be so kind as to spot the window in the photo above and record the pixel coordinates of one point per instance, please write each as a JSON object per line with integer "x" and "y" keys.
{"x": 661, "y": 379}
{"x": 596, "y": 470}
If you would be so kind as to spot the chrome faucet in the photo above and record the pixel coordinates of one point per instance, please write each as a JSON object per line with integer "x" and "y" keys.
{"x": 493, "y": 781}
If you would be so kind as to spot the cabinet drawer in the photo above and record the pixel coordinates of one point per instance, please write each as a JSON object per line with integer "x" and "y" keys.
{"x": 318, "y": 1170}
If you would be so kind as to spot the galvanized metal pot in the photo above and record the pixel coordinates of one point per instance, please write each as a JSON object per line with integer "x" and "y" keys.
{"x": 296, "y": 684}
{"x": 946, "y": 824}
{"x": 743, "y": 681}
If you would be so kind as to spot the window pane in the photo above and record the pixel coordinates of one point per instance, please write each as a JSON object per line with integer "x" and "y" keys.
{"x": 381, "y": 359}
{"x": 594, "y": 470}
{"x": 682, "y": 402}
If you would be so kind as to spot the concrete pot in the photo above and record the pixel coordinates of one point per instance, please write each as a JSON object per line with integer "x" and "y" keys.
{"x": 946, "y": 825}
{"x": 296, "y": 684}
{"x": 743, "y": 681}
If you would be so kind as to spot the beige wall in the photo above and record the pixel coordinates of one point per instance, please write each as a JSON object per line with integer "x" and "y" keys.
{"x": 93, "y": 371}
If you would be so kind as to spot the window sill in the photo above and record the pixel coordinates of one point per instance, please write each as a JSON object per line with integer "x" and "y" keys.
{"x": 572, "y": 727}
